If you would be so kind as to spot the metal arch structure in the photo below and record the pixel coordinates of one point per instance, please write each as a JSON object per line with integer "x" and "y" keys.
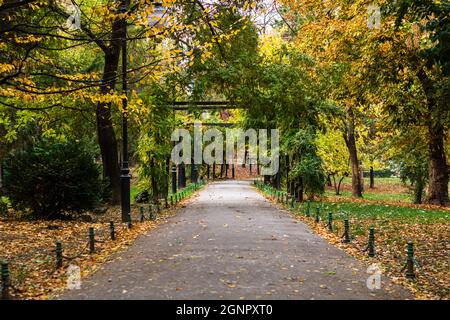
{"x": 198, "y": 106}
{"x": 203, "y": 105}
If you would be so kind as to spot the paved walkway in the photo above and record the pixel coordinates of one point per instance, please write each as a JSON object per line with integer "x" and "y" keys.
{"x": 231, "y": 243}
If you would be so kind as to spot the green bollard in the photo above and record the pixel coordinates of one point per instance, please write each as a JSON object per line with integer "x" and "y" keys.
{"x": 5, "y": 280}
{"x": 308, "y": 208}
{"x": 112, "y": 230}
{"x": 150, "y": 212}
{"x": 59, "y": 255}
{"x": 152, "y": 215}
{"x": 91, "y": 240}
{"x": 130, "y": 224}
{"x": 158, "y": 208}
{"x": 410, "y": 262}
{"x": 330, "y": 221}
{"x": 346, "y": 231}
{"x": 371, "y": 245}
{"x": 317, "y": 220}
{"x": 293, "y": 203}
{"x": 278, "y": 196}
{"x": 287, "y": 199}
{"x": 141, "y": 214}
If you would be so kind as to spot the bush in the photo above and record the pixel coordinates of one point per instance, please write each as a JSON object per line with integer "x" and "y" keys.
{"x": 3, "y": 207}
{"x": 52, "y": 179}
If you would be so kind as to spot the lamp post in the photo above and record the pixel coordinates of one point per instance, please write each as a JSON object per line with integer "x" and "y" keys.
{"x": 125, "y": 169}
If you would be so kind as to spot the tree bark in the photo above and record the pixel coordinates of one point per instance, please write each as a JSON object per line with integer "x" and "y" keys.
{"x": 372, "y": 178}
{"x": 329, "y": 183}
{"x": 437, "y": 162}
{"x": 438, "y": 168}
{"x": 105, "y": 131}
{"x": 418, "y": 189}
{"x": 154, "y": 181}
{"x": 350, "y": 141}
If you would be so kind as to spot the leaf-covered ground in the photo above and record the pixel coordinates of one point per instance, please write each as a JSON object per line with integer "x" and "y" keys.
{"x": 29, "y": 247}
{"x": 394, "y": 226}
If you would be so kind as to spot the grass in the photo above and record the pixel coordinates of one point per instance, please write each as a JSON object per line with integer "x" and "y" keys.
{"x": 363, "y": 211}
{"x": 375, "y": 196}
{"x": 386, "y": 190}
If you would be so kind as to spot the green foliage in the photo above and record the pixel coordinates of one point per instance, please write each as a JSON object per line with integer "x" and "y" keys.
{"x": 412, "y": 161}
{"x": 333, "y": 151}
{"x": 154, "y": 143}
{"x": 307, "y": 166}
{"x": 53, "y": 179}
{"x": 3, "y": 207}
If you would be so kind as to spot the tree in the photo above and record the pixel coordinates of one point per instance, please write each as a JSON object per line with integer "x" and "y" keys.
{"x": 428, "y": 57}
{"x": 331, "y": 149}
{"x": 87, "y": 59}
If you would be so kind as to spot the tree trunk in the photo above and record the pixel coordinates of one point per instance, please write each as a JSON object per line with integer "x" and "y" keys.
{"x": 154, "y": 181}
{"x": 338, "y": 191}
{"x": 418, "y": 189}
{"x": 329, "y": 183}
{"x": 105, "y": 131}
{"x": 350, "y": 141}
{"x": 372, "y": 178}
{"x": 438, "y": 168}
{"x": 300, "y": 190}
{"x": 437, "y": 162}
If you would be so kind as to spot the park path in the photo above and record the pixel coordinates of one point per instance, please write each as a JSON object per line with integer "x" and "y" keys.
{"x": 231, "y": 243}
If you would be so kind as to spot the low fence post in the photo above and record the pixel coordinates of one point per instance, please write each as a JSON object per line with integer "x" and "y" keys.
{"x": 158, "y": 208}
{"x": 308, "y": 208}
{"x": 5, "y": 280}
{"x": 91, "y": 240}
{"x": 371, "y": 245}
{"x": 130, "y": 224}
{"x": 141, "y": 214}
{"x": 410, "y": 262}
{"x": 59, "y": 255}
{"x": 346, "y": 231}
{"x": 150, "y": 212}
{"x": 330, "y": 221}
{"x": 317, "y": 215}
{"x": 112, "y": 230}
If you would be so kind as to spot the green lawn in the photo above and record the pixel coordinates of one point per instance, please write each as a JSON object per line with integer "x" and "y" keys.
{"x": 375, "y": 196}
{"x": 386, "y": 189}
{"x": 378, "y": 212}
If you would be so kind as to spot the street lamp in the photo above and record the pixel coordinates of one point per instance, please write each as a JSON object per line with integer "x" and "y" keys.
{"x": 125, "y": 169}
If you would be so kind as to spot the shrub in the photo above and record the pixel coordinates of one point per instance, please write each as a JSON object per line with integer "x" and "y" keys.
{"x": 3, "y": 207}
{"x": 53, "y": 179}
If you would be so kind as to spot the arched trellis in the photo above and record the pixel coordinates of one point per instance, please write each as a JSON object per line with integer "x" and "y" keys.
{"x": 200, "y": 106}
